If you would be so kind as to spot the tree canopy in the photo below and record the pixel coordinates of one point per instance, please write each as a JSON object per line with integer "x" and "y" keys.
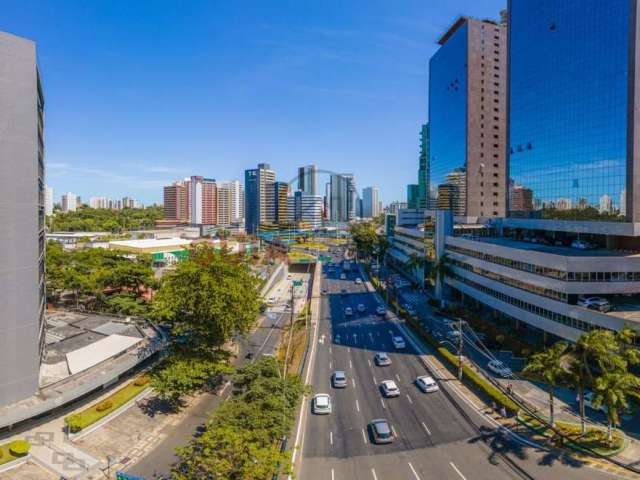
{"x": 366, "y": 238}
{"x": 105, "y": 220}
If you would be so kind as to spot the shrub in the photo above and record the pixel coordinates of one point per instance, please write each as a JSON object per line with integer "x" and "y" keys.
{"x": 102, "y": 406}
{"x": 142, "y": 380}
{"x": 19, "y": 448}
{"x": 74, "y": 422}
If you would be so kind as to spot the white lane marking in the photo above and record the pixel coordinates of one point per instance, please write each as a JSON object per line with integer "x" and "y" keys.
{"x": 373, "y": 472}
{"x": 398, "y": 377}
{"x": 409, "y": 398}
{"x": 393, "y": 429}
{"x": 331, "y": 438}
{"x": 349, "y": 349}
{"x": 364, "y": 436}
{"x": 413, "y": 470}
{"x": 353, "y": 382}
{"x": 383, "y": 404}
{"x": 350, "y": 364}
{"x": 369, "y": 362}
{"x": 357, "y": 406}
{"x": 332, "y": 475}
{"x": 426, "y": 428}
{"x": 329, "y": 349}
{"x": 329, "y": 364}
{"x": 374, "y": 380}
{"x": 457, "y": 471}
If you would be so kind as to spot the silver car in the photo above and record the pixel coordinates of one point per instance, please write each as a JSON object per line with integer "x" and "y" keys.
{"x": 339, "y": 379}
{"x": 321, "y": 404}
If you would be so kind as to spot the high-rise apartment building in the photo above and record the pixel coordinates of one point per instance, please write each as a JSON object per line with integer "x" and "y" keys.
{"x": 70, "y": 202}
{"x": 176, "y": 202}
{"x": 236, "y": 199}
{"x": 467, "y": 113}
{"x": 521, "y": 199}
{"x": 343, "y": 198}
{"x": 423, "y": 168}
{"x": 98, "y": 202}
{"x": 370, "y": 202}
{"x": 203, "y": 201}
{"x": 22, "y": 216}
{"x": 48, "y": 201}
{"x": 307, "y": 179}
{"x": 256, "y": 181}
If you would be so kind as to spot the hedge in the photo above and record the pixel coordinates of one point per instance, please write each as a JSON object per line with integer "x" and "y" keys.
{"x": 13, "y": 450}
{"x": 81, "y": 420}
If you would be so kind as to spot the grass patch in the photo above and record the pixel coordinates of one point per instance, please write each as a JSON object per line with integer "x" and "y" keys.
{"x": 595, "y": 439}
{"x": 81, "y": 420}
{"x": 300, "y": 257}
{"x": 311, "y": 246}
{"x": 13, "y": 450}
{"x": 298, "y": 341}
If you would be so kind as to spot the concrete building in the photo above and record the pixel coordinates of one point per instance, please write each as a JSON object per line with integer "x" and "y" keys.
{"x": 98, "y": 202}
{"x": 467, "y": 114}
{"x": 370, "y": 202}
{"x": 70, "y": 202}
{"x": 256, "y": 181}
{"x": 307, "y": 179}
{"x": 276, "y": 203}
{"x": 203, "y": 201}
{"x": 48, "y": 201}
{"x": 22, "y": 216}
{"x": 343, "y": 198}
{"x": 176, "y": 202}
{"x": 521, "y": 200}
{"x": 236, "y": 199}
{"x": 305, "y": 209}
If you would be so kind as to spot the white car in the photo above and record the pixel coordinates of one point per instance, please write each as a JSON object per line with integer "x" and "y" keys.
{"x": 427, "y": 384}
{"x": 321, "y": 404}
{"x": 348, "y": 312}
{"x": 271, "y": 301}
{"x": 398, "y": 342}
{"x": 389, "y": 388}
{"x": 358, "y": 281}
{"x": 382, "y": 359}
{"x": 361, "y": 308}
{"x": 381, "y": 310}
{"x": 498, "y": 368}
{"x": 595, "y": 303}
{"x": 343, "y": 276}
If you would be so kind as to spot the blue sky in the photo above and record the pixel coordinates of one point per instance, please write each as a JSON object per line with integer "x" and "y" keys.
{"x": 139, "y": 93}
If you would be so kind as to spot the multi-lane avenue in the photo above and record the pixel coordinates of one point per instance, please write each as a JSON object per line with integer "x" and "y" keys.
{"x": 438, "y": 435}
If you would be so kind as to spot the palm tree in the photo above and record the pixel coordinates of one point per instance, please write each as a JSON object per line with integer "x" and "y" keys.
{"x": 549, "y": 365}
{"x": 611, "y": 389}
{"x": 595, "y": 348}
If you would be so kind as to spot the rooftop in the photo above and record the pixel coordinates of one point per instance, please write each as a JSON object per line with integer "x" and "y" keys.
{"x": 151, "y": 243}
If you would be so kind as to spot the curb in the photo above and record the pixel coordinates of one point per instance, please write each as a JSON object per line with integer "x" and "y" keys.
{"x": 14, "y": 463}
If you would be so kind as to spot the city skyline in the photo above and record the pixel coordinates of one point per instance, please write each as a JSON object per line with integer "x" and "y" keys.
{"x": 113, "y": 101}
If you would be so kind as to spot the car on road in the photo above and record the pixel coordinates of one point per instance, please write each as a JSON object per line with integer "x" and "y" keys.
{"x": 321, "y": 404}
{"x": 382, "y": 359}
{"x": 361, "y": 308}
{"x": 381, "y": 431}
{"x": 324, "y": 291}
{"x": 339, "y": 379}
{"x": 398, "y": 342}
{"x": 337, "y": 338}
{"x": 348, "y": 312}
{"x": 380, "y": 310}
{"x": 343, "y": 276}
{"x": 389, "y": 388}
{"x": 595, "y": 303}
{"x": 271, "y": 301}
{"x": 289, "y": 277}
{"x": 427, "y": 384}
{"x": 498, "y": 368}
{"x": 358, "y": 281}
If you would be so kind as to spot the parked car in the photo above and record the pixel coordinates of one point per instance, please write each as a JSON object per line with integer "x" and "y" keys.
{"x": 398, "y": 342}
{"x": 381, "y": 431}
{"x": 382, "y": 359}
{"x": 389, "y": 388}
{"x": 339, "y": 379}
{"x": 321, "y": 404}
{"x": 348, "y": 312}
{"x": 498, "y": 368}
{"x": 324, "y": 291}
{"x": 358, "y": 281}
{"x": 595, "y": 303}
{"x": 582, "y": 245}
{"x": 380, "y": 310}
{"x": 427, "y": 384}
{"x": 343, "y": 276}
{"x": 361, "y": 308}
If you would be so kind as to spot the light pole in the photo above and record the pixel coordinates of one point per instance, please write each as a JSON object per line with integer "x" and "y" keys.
{"x": 460, "y": 344}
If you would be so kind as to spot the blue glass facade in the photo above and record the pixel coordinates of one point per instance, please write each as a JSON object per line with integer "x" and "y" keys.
{"x": 448, "y": 107}
{"x": 568, "y": 100}
{"x": 251, "y": 201}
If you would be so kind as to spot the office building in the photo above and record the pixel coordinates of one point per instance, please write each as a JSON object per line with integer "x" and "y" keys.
{"x": 307, "y": 179}
{"x": 48, "y": 201}
{"x": 22, "y": 216}
{"x": 70, "y": 202}
{"x": 467, "y": 114}
{"x": 276, "y": 203}
{"x": 423, "y": 168}
{"x": 343, "y": 198}
{"x": 256, "y": 181}
{"x": 394, "y": 207}
{"x": 413, "y": 196}
{"x": 327, "y": 200}
{"x": 305, "y": 210}
{"x": 370, "y": 202}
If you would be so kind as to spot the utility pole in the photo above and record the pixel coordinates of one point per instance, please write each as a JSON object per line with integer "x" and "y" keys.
{"x": 293, "y": 307}
{"x": 460, "y": 344}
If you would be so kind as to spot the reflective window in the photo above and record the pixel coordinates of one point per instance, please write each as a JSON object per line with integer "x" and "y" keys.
{"x": 568, "y": 108}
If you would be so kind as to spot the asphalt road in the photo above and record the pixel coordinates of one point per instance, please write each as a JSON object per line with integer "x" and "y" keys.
{"x": 436, "y": 438}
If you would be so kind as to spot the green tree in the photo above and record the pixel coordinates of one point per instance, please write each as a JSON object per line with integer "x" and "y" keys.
{"x": 549, "y": 365}
{"x": 612, "y": 389}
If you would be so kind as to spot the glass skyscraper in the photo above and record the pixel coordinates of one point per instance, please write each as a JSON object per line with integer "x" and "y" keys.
{"x": 572, "y": 136}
